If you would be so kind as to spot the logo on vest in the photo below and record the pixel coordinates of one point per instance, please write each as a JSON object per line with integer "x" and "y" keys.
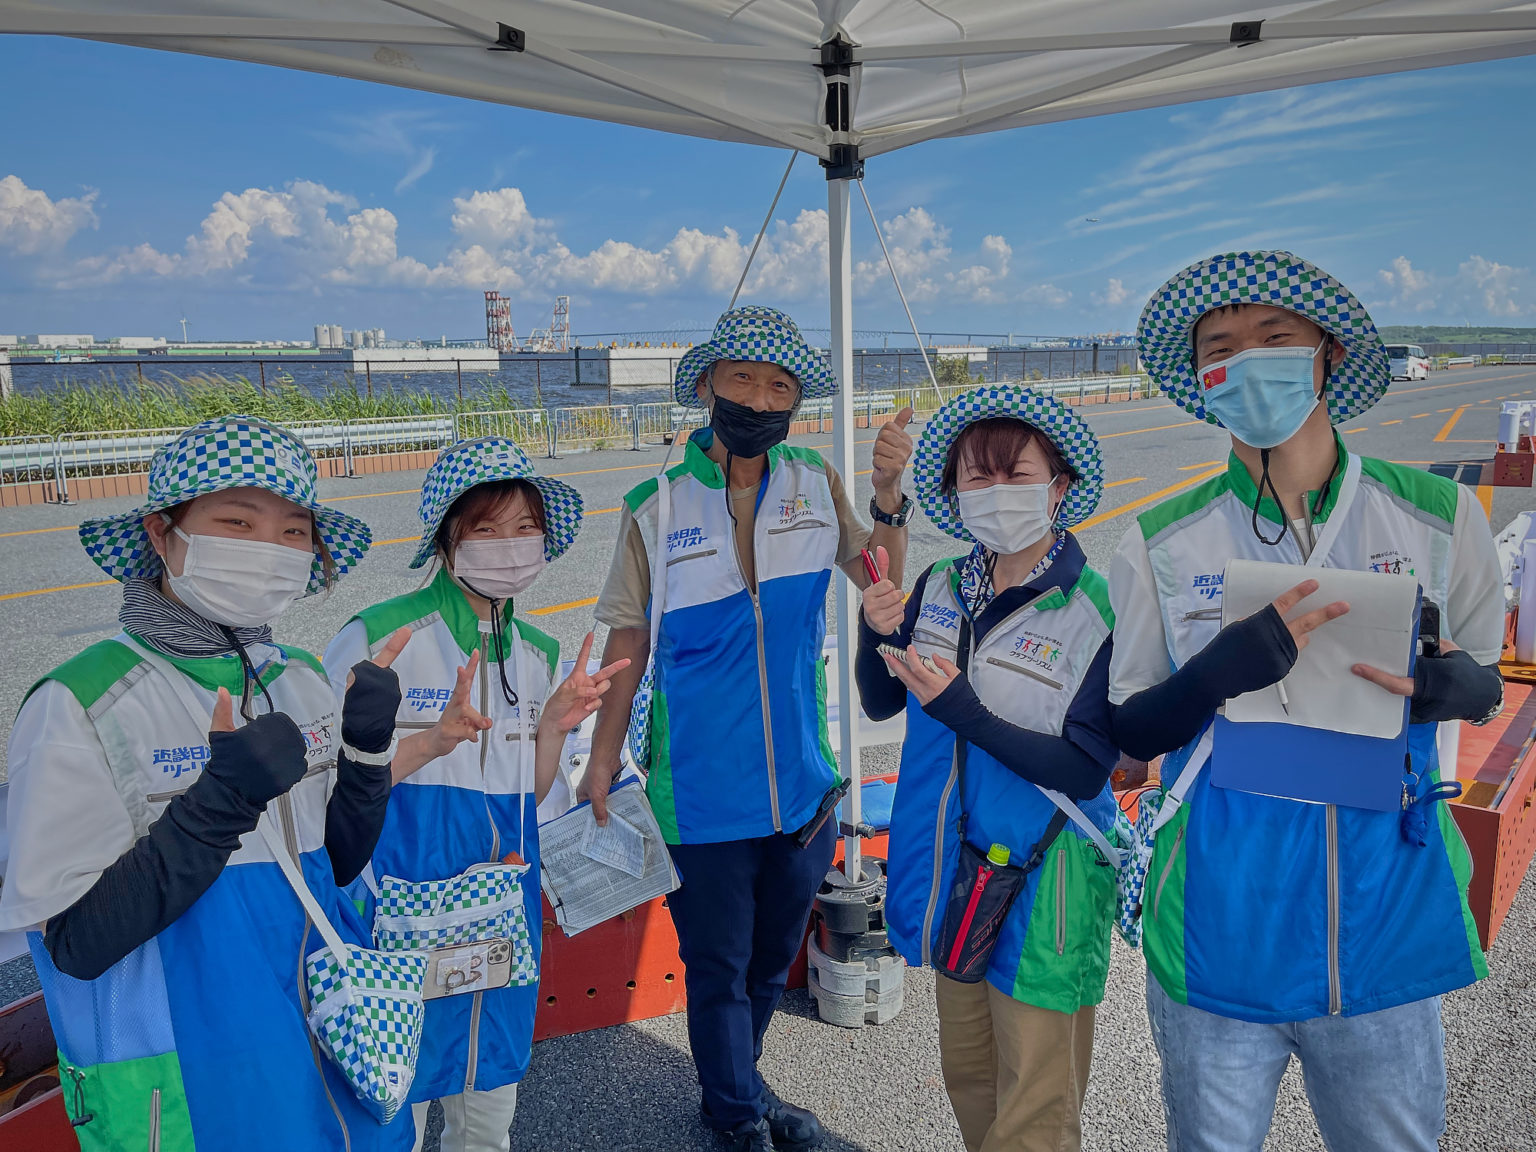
{"x": 174, "y": 761}
{"x": 793, "y": 509}
{"x": 1207, "y": 584}
{"x": 318, "y": 735}
{"x": 1041, "y": 651}
{"x": 1392, "y": 562}
{"x": 418, "y": 700}
{"x": 682, "y": 538}
{"x": 940, "y": 615}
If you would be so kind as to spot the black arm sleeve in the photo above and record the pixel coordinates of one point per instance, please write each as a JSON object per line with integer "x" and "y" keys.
{"x": 1453, "y": 686}
{"x": 1245, "y": 656}
{"x": 355, "y": 816}
{"x": 1077, "y": 763}
{"x": 881, "y": 694}
{"x": 148, "y": 887}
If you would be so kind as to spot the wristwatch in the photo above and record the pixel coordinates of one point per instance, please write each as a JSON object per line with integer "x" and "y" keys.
{"x": 899, "y": 518}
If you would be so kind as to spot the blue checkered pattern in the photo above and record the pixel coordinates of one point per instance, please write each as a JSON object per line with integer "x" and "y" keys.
{"x": 1131, "y": 879}
{"x": 1165, "y": 334}
{"x": 484, "y": 903}
{"x": 366, "y": 1011}
{"x": 231, "y": 452}
{"x": 473, "y": 462}
{"x": 763, "y": 335}
{"x": 1071, "y": 435}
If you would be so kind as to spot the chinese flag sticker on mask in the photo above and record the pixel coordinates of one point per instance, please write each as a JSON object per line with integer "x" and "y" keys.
{"x": 1214, "y": 377}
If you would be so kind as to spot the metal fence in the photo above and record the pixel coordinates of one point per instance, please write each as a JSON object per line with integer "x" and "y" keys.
{"x": 57, "y": 460}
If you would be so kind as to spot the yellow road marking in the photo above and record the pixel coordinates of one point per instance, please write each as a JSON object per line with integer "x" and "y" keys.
{"x": 35, "y": 531}
{"x": 1384, "y": 423}
{"x": 1485, "y": 495}
{"x": 1442, "y": 411}
{"x": 369, "y": 495}
{"x": 1139, "y": 431}
{"x": 562, "y": 607}
{"x": 1451, "y": 423}
{"x": 1131, "y": 480}
{"x": 1195, "y": 467}
{"x": 1352, "y": 431}
{"x": 1143, "y": 501}
{"x": 60, "y": 588}
{"x": 1419, "y": 415}
{"x": 1455, "y": 384}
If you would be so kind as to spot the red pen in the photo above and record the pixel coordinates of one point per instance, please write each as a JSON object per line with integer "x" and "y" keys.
{"x": 869, "y": 566}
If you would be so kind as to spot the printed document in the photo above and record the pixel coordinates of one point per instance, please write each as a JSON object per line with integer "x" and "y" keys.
{"x": 1320, "y": 691}
{"x": 584, "y": 890}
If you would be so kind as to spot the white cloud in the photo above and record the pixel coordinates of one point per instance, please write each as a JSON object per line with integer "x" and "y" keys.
{"x": 1480, "y": 288}
{"x": 31, "y": 222}
{"x": 1048, "y": 295}
{"x": 1114, "y": 294}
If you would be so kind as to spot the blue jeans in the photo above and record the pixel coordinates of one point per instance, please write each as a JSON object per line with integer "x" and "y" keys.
{"x": 1376, "y": 1082}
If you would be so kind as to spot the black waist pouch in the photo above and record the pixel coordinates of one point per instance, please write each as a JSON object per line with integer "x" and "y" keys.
{"x": 977, "y": 903}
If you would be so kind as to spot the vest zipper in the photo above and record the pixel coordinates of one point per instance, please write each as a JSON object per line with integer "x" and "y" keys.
{"x": 699, "y": 555}
{"x": 472, "y": 1062}
{"x": 1061, "y": 901}
{"x": 154, "y": 1120}
{"x": 938, "y": 862}
{"x": 162, "y": 797}
{"x": 799, "y": 527}
{"x": 1022, "y": 671}
{"x": 1335, "y": 989}
{"x": 1178, "y": 842}
{"x": 762, "y": 670}
{"x": 1203, "y": 614}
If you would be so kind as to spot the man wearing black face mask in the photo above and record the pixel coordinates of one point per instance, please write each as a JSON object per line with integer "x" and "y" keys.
{"x": 734, "y": 740}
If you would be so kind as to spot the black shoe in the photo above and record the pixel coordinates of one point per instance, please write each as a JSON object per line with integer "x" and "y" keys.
{"x": 791, "y": 1127}
{"x": 753, "y": 1137}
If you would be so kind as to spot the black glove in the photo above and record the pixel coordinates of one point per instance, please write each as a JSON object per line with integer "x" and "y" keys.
{"x": 368, "y": 712}
{"x": 1247, "y": 655}
{"x": 260, "y": 761}
{"x": 1453, "y": 686}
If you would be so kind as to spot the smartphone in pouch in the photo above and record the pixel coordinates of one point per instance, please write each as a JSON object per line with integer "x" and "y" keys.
{"x": 479, "y": 967}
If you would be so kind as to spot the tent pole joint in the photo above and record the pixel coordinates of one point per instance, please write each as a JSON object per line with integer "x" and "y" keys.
{"x": 837, "y": 57}
{"x": 844, "y": 163}
{"x": 508, "y": 39}
{"x": 1246, "y": 32}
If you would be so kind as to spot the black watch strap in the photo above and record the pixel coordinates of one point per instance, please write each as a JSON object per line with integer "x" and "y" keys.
{"x": 899, "y": 518}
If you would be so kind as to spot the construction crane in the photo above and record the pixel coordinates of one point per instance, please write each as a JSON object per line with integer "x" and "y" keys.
{"x": 557, "y": 337}
{"x": 498, "y": 323}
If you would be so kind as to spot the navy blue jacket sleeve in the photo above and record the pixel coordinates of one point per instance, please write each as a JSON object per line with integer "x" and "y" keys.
{"x": 1077, "y": 763}
{"x": 881, "y": 694}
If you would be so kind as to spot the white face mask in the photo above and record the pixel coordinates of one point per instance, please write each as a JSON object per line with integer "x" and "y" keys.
{"x": 1008, "y": 518}
{"x": 499, "y": 569}
{"x": 241, "y": 583}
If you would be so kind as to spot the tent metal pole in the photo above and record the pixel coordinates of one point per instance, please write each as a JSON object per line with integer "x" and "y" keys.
{"x": 840, "y": 282}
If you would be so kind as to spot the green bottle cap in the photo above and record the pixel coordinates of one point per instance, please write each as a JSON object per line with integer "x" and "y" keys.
{"x": 998, "y": 854}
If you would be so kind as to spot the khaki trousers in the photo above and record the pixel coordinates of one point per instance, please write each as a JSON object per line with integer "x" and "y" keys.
{"x": 472, "y": 1121}
{"x": 1016, "y": 1074}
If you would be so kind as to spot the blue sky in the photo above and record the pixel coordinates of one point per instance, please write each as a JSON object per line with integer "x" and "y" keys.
{"x": 137, "y": 187}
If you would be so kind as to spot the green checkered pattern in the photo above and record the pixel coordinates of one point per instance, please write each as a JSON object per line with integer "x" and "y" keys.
{"x": 763, "y": 335}
{"x": 473, "y": 462}
{"x": 1165, "y": 334}
{"x": 484, "y": 903}
{"x": 1071, "y": 435}
{"x": 231, "y": 452}
{"x": 367, "y": 1012}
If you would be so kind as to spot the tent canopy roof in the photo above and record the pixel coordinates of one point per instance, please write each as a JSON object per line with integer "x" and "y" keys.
{"x": 752, "y": 70}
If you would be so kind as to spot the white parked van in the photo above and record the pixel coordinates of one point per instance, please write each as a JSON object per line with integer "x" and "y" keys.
{"x": 1408, "y": 362}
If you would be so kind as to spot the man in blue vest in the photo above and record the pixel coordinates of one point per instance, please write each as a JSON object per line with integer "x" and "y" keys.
{"x": 740, "y": 769}
{"x": 1275, "y": 927}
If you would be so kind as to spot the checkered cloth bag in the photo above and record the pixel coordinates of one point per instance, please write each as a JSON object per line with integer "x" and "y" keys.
{"x": 365, "y": 1007}
{"x": 366, "y": 1011}
{"x": 483, "y": 903}
{"x": 1154, "y": 811}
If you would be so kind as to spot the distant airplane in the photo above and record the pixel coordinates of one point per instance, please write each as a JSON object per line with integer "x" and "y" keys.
{"x": 1093, "y": 219}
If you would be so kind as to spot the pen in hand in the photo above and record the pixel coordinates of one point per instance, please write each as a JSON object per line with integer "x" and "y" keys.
{"x": 870, "y": 569}
{"x": 1285, "y": 701}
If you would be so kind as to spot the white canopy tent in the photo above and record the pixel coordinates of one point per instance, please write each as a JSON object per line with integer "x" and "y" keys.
{"x": 842, "y": 80}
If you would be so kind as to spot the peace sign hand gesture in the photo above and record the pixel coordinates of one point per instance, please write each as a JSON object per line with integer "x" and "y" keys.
{"x": 581, "y": 693}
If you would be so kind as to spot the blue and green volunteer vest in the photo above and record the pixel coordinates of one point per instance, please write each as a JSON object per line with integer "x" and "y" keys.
{"x": 1053, "y": 951}
{"x": 1266, "y": 909}
{"x": 739, "y": 717}
{"x": 472, "y": 806}
{"x": 210, "y": 1012}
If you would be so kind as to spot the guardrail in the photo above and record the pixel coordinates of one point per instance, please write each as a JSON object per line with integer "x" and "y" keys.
{"x": 1461, "y": 361}
{"x": 54, "y": 461}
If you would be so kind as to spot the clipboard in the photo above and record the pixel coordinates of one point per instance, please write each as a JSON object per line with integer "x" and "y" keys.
{"x": 1292, "y": 759}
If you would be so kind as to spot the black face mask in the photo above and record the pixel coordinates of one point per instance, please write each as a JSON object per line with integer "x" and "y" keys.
{"x": 744, "y": 432}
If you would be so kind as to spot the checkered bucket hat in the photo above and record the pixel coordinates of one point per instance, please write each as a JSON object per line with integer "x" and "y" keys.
{"x": 1069, "y": 433}
{"x": 230, "y": 452}
{"x": 473, "y": 462}
{"x": 765, "y": 335}
{"x": 1165, "y": 335}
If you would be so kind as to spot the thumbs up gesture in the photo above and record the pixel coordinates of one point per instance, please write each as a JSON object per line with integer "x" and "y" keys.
{"x": 893, "y": 448}
{"x": 260, "y": 761}
{"x": 882, "y": 603}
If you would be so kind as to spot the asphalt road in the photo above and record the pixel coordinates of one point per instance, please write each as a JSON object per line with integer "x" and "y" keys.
{"x": 631, "y": 1089}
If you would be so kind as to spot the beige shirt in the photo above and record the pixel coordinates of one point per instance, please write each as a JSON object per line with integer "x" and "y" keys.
{"x": 627, "y": 591}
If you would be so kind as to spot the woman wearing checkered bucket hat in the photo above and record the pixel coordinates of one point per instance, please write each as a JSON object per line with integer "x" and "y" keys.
{"x": 721, "y": 578}
{"x": 481, "y": 725}
{"x": 1000, "y": 659}
{"x": 1294, "y": 922}
{"x": 151, "y": 835}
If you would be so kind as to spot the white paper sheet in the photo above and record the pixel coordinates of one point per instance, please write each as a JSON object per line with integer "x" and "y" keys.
{"x": 618, "y": 844}
{"x": 584, "y": 892}
{"x": 1321, "y": 690}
